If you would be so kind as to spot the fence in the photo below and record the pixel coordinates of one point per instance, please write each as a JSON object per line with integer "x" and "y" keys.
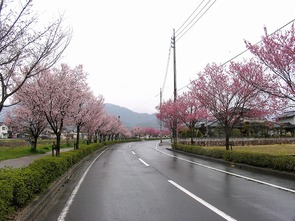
{"x": 237, "y": 141}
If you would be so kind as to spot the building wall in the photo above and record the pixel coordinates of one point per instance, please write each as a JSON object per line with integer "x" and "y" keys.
{"x": 3, "y": 131}
{"x": 287, "y": 120}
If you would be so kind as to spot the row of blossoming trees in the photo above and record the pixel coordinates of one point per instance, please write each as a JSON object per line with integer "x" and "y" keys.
{"x": 45, "y": 94}
{"x": 60, "y": 97}
{"x": 258, "y": 87}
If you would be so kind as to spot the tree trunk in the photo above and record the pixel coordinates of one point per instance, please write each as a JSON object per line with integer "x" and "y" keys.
{"x": 192, "y": 135}
{"x": 34, "y": 144}
{"x": 77, "y": 138}
{"x": 95, "y": 137}
{"x": 227, "y": 141}
{"x": 58, "y": 138}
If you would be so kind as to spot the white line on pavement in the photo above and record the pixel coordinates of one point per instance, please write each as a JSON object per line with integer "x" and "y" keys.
{"x": 229, "y": 173}
{"x": 143, "y": 162}
{"x": 203, "y": 202}
{"x": 65, "y": 210}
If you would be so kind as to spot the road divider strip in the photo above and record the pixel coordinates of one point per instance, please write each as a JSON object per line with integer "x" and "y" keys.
{"x": 229, "y": 173}
{"x": 203, "y": 202}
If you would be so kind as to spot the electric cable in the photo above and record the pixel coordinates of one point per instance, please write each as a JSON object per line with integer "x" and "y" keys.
{"x": 178, "y": 38}
{"x": 167, "y": 67}
{"x": 189, "y": 16}
{"x": 236, "y": 56}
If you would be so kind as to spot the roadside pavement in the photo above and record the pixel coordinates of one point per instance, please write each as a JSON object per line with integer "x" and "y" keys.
{"x": 25, "y": 161}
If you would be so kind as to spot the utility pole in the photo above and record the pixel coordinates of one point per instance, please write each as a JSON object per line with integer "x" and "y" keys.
{"x": 173, "y": 45}
{"x": 161, "y": 135}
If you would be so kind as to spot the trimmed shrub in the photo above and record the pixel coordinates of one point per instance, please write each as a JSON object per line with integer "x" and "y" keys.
{"x": 18, "y": 187}
{"x": 283, "y": 163}
{"x": 6, "y": 199}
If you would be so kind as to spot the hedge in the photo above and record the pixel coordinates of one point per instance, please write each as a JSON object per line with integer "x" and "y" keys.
{"x": 18, "y": 187}
{"x": 282, "y": 163}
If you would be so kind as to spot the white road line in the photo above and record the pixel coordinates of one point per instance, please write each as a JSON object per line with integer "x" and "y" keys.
{"x": 203, "y": 202}
{"x": 133, "y": 152}
{"x": 143, "y": 162}
{"x": 229, "y": 173}
{"x": 65, "y": 210}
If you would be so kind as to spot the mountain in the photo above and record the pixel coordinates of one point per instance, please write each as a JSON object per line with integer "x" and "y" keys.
{"x": 4, "y": 111}
{"x": 130, "y": 118}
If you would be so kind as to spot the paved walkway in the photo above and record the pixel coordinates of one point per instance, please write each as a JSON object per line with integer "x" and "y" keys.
{"x": 25, "y": 161}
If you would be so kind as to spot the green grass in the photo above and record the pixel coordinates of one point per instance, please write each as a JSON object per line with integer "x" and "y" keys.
{"x": 277, "y": 149}
{"x": 22, "y": 151}
{"x": 11, "y": 153}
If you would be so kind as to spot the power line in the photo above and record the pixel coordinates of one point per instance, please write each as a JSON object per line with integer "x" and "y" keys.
{"x": 246, "y": 49}
{"x": 167, "y": 67}
{"x": 257, "y": 43}
{"x": 190, "y": 16}
{"x": 195, "y": 20}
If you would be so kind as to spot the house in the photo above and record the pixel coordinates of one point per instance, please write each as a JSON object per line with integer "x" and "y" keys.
{"x": 3, "y": 131}
{"x": 287, "y": 117}
{"x": 287, "y": 122}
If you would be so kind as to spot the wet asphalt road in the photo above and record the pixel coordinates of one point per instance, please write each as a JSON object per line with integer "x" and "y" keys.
{"x": 144, "y": 181}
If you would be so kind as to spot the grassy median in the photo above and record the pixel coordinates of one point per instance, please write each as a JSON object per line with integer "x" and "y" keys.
{"x": 277, "y": 149}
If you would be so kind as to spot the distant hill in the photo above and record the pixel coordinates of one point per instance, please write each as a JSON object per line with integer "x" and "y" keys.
{"x": 4, "y": 112}
{"x": 130, "y": 118}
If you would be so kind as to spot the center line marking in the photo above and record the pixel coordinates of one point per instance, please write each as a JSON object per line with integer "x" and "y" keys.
{"x": 203, "y": 202}
{"x": 143, "y": 162}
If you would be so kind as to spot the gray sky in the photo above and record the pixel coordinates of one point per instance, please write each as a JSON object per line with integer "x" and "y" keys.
{"x": 124, "y": 45}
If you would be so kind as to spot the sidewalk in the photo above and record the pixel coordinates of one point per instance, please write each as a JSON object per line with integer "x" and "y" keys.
{"x": 25, "y": 161}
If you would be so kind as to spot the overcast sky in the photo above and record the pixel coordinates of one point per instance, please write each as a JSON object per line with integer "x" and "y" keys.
{"x": 124, "y": 45}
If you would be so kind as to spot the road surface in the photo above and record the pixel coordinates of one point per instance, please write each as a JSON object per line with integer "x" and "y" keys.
{"x": 144, "y": 181}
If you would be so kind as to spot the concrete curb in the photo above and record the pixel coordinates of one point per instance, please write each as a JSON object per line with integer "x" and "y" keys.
{"x": 31, "y": 211}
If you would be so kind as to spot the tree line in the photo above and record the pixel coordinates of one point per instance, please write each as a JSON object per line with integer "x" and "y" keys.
{"x": 46, "y": 93}
{"x": 259, "y": 87}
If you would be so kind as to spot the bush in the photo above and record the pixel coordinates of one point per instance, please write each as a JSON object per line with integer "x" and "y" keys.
{"x": 283, "y": 163}
{"x": 18, "y": 187}
{"x": 6, "y": 199}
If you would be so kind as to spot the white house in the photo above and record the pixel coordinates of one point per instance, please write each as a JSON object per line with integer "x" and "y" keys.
{"x": 3, "y": 131}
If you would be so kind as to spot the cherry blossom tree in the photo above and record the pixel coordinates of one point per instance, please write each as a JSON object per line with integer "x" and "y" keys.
{"x": 277, "y": 53}
{"x": 167, "y": 114}
{"x": 190, "y": 111}
{"x": 94, "y": 127}
{"x": 137, "y": 131}
{"x": 126, "y": 133}
{"x": 54, "y": 94}
{"x": 26, "y": 51}
{"x": 152, "y": 132}
{"x": 27, "y": 119}
{"x": 113, "y": 127}
{"x": 228, "y": 97}
{"x": 84, "y": 109}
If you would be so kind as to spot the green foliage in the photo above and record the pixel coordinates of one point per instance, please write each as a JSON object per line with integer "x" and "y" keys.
{"x": 283, "y": 163}
{"x": 16, "y": 152}
{"x": 236, "y": 133}
{"x": 18, "y": 187}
